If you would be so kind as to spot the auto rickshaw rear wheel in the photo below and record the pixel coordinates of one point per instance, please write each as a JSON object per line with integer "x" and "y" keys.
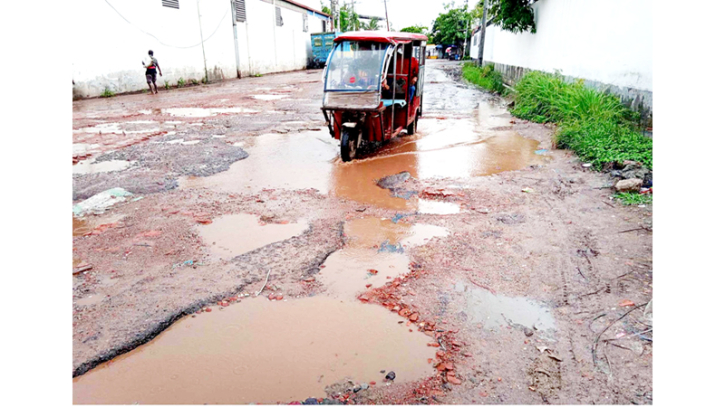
{"x": 413, "y": 126}
{"x": 349, "y": 140}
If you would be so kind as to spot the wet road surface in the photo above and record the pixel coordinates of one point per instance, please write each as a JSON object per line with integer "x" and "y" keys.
{"x": 302, "y": 337}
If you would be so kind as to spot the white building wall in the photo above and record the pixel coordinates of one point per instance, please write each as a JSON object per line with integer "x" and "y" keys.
{"x": 108, "y": 45}
{"x": 607, "y": 41}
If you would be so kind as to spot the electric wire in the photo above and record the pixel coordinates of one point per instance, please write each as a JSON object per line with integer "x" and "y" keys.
{"x": 163, "y": 43}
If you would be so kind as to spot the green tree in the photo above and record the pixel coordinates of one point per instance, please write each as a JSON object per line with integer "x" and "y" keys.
{"x": 349, "y": 20}
{"x": 371, "y": 26}
{"x": 415, "y": 29}
{"x": 511, "y": 15}
{"x": 451, "y": 27}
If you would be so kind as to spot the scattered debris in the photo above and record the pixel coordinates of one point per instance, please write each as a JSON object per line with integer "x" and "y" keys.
{"x": 98, "y": 203}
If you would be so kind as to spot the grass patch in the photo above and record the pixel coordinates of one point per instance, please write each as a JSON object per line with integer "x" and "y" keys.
{"x": 633, "y": 198}
{"x": 180, "y": 83}
{"x": 257, "y": 75}
{"x": 593, "y": 124}
{"x": 167, "y": 85}
{"x": 194, "y": 82}
{"x": 107, "y": 93}
{"x": 485, "y": 77}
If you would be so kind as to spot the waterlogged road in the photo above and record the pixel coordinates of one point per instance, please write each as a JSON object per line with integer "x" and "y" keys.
{"x": 251, "y": 265}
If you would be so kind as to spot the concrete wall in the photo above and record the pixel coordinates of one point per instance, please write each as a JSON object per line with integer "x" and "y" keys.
{"x": 109, "y": 45}
{"x": 606, "y": 42}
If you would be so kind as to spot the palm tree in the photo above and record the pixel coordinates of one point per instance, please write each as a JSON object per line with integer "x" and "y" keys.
{"x": 371, "y": 26}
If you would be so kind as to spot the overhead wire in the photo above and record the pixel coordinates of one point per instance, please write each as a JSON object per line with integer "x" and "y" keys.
{"x": 163, "y": 43}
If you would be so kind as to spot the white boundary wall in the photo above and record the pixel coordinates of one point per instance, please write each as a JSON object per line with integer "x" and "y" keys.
{"x": 606, "y": 41}
{"x": 107, "y": 50}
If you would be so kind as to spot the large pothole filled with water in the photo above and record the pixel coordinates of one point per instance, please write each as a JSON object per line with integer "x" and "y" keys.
{"x": 261, "y": 351}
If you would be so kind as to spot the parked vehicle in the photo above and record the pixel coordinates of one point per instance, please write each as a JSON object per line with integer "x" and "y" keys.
{"x": 373, "y": 87}
{"x": 322, "y": 44}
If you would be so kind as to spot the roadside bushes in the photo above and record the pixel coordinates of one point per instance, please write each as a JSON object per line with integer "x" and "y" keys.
{"x": 593, "y": 124}
{"x": 485, "y": 77}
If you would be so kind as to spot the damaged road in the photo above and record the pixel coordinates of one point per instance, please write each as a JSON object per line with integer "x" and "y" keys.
{"x": 473, "y": 259}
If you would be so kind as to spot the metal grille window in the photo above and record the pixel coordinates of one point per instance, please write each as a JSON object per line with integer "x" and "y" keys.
{"x": 170, "y": 3}
{"x": 278, "y": 14}
{"x": 305, "y": 27}
{"x": 240, "y": 10}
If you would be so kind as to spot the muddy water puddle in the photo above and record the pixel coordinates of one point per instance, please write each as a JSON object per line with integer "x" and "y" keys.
{"x": 231, "y": 235}
{"x": 374, "y": 254}
{"x": 261, "y": 351}
{"x": 94, "y": 167}
{"x": 474, "y": 145}
{"x": 498, "y": 311}
{"x": 276, "y": 161}
{"x": 427, "y": 206}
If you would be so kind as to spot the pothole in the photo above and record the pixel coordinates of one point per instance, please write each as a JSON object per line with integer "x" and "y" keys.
{"x": 93, "y": 167}
{"x": 231, "y": 235}
{"x": 498, "y": 311}
{"x": 261, "y": 351}
{"x": 204, "y": 112}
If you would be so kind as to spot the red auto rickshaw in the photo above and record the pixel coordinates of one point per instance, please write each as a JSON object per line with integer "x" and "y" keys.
{"x": 373, "y": 87}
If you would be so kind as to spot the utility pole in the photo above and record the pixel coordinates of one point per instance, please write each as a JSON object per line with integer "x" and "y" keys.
{"x": 236, "y": 43}
{"x": 333, "y": 8}
{"x": 387, "y": 21}
{"x": 465, "y": 38}
{"x": 203, "y": 53}
{"x": 483, "y": 33}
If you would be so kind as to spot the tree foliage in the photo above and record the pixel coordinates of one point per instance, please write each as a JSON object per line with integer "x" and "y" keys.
{"x": 451, "y": 27}
{"x": 511, "y": 15}
{"x": 415, "y": 29}
{"x": 372, "y": 25}
{"x": 349, "y": 20}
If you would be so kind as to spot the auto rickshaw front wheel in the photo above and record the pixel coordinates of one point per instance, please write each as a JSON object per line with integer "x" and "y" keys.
{"x": 349, "y": 142}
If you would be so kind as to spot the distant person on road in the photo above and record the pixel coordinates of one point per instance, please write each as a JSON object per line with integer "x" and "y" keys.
{"x": 152, "y": 65}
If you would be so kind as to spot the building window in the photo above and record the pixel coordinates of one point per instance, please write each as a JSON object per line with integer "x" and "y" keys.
{"x": 278, "y": 14}
{"x": 240, "y": 10}
{"x": 170, "y": 3}
{"x": 305, "y": 27}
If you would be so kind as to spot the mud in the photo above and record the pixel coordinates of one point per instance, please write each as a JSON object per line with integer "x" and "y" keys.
{"x": 260, "y": 351}
{"x": 510, "y": 287}
{"x": 231, "y": 235}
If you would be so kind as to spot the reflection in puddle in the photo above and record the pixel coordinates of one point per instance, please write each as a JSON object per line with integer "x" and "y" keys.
{"x": 276, "y": 161}
{"x": 348, "y": 271}
{"x": 261, "y": 351}
{"x": 488, "y": 309}
{"x": 231, "y": 235}
{"x": 86, "y": 167}
{"x": 428, "y": 206}
{"x": 204, "y": 112}
{"x": 372, "y": 232}
{"x": 456, "y": 148}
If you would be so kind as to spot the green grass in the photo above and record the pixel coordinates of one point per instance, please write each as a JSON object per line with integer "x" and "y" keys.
{"x": 633, "y": 198}
{"x": 194, "y": 82}
{"x": 107, "y": 93}
{"x": 180, "y": 83}
{"x": 257, "y": 75}
{"x": 593, "y": 124}
{"x": 167, "y": 85}
{"x": 485, "y": 77}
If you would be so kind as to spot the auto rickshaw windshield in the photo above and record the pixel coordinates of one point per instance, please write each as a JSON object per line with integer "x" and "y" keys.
{"x": 355, "y": 66}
